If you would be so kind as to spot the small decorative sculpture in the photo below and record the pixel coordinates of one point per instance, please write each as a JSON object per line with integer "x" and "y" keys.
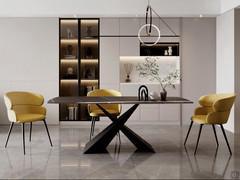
{"x": 70, "y": 71}
{"x": 153, "y": 95}
{"x": 69, "y": 33}
{"x": 69, "y": 50}
{"x": 128, "y": 69}
{"x": 89, "y": 31}
{"x": 170, "y": 50}
{"x": 88, "y": 53}
{"x": 143, "y": 93}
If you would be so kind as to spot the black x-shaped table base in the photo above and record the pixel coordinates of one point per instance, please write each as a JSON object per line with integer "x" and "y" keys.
{"x": 100, "y": 142}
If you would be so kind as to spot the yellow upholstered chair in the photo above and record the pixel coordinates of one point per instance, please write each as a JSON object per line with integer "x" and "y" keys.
{"x": 214, "y": 110}
{"x": 25, "y": 107}
{"x": 95, "y": 112}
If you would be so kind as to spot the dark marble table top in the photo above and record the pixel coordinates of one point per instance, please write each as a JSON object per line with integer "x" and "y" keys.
{"x": 115, "y": 100}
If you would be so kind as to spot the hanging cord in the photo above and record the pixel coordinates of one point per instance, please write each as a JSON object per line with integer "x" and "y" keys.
{"x": 164, "y": 21}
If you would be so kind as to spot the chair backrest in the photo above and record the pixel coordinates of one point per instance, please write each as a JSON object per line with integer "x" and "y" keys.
{"x": 219, "y": 103}
{"x": 104, "y": 92}
{"x": 21, "y": 98}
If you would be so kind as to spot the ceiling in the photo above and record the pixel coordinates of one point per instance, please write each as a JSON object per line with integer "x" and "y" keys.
{"x": 113, "y": 8}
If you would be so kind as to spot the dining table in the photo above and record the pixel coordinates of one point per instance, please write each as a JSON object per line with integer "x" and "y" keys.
{"x": 100, "y": 142}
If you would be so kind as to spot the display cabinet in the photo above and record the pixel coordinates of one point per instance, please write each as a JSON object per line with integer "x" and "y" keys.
{"x": 78, "y": 63}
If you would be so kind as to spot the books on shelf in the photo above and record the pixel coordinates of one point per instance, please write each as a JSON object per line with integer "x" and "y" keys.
{"x": 73, "y": 112}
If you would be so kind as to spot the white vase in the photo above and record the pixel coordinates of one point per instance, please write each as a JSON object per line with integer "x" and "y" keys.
{"x": 170, "y": 50}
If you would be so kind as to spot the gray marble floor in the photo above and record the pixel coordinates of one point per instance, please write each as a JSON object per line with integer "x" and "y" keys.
{"x": 65, "y": 159}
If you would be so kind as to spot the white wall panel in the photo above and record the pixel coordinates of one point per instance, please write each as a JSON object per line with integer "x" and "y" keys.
{"x": 225, "y": 58}
{"x": 198, "y": 60}
{"x": 29, "y": 60}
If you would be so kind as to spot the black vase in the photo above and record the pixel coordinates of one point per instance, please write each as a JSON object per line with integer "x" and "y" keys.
{"x": 163, "y": 95}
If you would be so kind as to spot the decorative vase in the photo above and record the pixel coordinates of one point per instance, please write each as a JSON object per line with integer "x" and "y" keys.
{"x": 165, "y": 52}
{"x": 163, "y": 95}
{"x": 170, "y": 50}
{"x": 128, "y": 69}
{"x": 128, "y": 78}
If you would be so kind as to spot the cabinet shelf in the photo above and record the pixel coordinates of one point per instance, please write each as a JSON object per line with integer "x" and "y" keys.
{"x": 69, "y": 61}
{"x": 89, "y": 22}
{"x": 69, "y": 22}
{"x": 89, "y": 38}
{"x": 89, "y": 61}
{"x": 69, "y": 80}
{"x": 89, "y": 41}
{"x": 89, "y": 82}
{"x": 69, "y": 41}
{"x": 160, "y": 49}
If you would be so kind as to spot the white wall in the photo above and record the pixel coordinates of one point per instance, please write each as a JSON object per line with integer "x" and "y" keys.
{"x": 106, "y": 8}
{"x": 237, "y": 69}
{"x": 227, "y": 5}
{"x": 29, "y": 59}
{"x": 225, "y": 58}
{"x": 109, "y": 53}
{"x": 228, "y": 61}
{"x": 198, "y": 61}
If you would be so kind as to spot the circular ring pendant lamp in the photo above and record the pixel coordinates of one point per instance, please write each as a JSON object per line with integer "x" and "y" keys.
{"x": 148, "y": 15}
{"x": 149, "y": 27}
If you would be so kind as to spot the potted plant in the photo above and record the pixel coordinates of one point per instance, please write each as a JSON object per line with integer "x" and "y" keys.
{"x": 151, "y": 69}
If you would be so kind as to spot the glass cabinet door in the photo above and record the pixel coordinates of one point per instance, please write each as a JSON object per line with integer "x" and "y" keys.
{"x": 89, "y": 43}
{"x": 68, "y": 70}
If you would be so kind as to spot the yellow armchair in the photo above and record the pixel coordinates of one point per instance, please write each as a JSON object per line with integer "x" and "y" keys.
{"x": 94, "y": 111}
{"x": 214, "y": 109}
{"x": 25, "y": 107}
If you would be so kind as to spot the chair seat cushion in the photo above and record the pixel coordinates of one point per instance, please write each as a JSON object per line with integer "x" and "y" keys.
{"x": 98, "y": 112}
{"x": 29, "y": 117}
{"x": 200, "y": 119}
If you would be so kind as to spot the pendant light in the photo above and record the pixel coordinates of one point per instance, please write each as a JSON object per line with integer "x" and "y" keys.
{"x": 149, "y": 26}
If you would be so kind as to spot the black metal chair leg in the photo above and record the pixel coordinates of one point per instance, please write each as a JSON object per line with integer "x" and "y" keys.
{"x": 190, "y": 127}
{"x": 226, "y": 139}
{"x": 94, "y": 120}
{"x": 47, "y": 132}
{"x": 23, "y": 132}
{"x": 30, "y": 132}
{"x": 119, "y": 138}
{"x": 9, "y": 132}
{"x": 199, "y": 134}
{"x": 214, "y": 130}
{"x": 90, "y": 135}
